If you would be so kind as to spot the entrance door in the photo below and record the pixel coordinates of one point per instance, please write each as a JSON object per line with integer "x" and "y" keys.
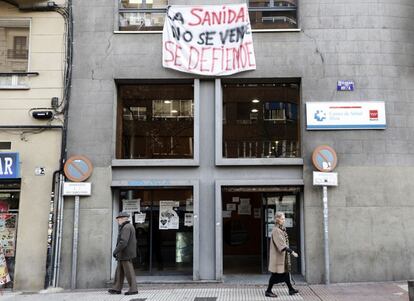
{"x": 248, "y": 219}
{"x": 288, "y": 203}
{"x": 163, "y": 221}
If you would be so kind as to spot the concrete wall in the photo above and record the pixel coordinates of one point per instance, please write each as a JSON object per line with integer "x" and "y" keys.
{"x": 368, "y": 42}
{"x": 36, "y": 148}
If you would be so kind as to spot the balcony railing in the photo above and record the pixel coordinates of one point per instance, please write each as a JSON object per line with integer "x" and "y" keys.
{"x": 20, "y": 54}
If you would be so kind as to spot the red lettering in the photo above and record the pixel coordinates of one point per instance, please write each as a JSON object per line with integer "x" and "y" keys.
{"x": 216, "y": 17}
{"x": 194, "y": 12}
{"x": 206, "y": 19}
{"x": 250, "y": 54}
{"x": 169, "y": 51}
{"x": 231, "y": 16}
{"x": 195, "y": 51}
{"x": 241, "y": 15}
{"x": 243, "y": 56}
{"x": 227, "y": 58}
{"x": 214, "y": 58}
{"x": 202, "y": 59}
{"x": 236, "y": 57}
{"x": 177, "y": 56}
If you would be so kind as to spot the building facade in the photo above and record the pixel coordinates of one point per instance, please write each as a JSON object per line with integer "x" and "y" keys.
{"x": 203, "y": 163}
{"x": 32, "y": 58}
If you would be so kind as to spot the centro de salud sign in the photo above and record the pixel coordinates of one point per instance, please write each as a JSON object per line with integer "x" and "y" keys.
{"x": 9, "y": 166}
{"x": 352, "y": 115}
{"x": 211, "y": 40}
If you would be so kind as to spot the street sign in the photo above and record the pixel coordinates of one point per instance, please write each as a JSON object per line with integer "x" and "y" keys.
{"x": 324, "y": 158}
{"x": 78, "y": 168}
{"x": 345, "y": 85}
{"x": 325, "y": 178}
{"x": 76, "y": 189}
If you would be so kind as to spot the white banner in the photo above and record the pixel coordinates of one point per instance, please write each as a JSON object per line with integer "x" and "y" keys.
{"x": 345, "y": 115}
{"x": 208, "y": 40}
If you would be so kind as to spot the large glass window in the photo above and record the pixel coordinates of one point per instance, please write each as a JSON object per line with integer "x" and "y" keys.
{"x": 156, "y": 121}
{"x": 261, "y": 120}
{"x": 142, "y": 15}
{"x": 163, "y": 220}
{"x": 273, "y": 14}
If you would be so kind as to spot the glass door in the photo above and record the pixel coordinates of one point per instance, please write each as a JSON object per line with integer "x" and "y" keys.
{"x": 287, "y": 203}
{"x": 163, "y": 220}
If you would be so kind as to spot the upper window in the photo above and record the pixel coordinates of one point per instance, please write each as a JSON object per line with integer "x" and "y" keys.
{"x": 273, "y": 14}
{"x": 14, "y": 46}
{"x": 156, "y": 121}
{"x": 142, "y": 15}
{"x": 149, "y": 15}
{"x": 14, "y": 53}
{"x": 261, "y": 120}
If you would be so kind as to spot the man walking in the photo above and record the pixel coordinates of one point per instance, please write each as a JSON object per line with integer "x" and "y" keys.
{"x": 125, "y": 251}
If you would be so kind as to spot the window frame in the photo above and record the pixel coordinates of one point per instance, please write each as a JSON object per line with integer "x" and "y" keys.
{"x": 276, "y": 9}
{"x": 195, "y": 161}
{"x": 221, "y": 161}
{"x": 118, "y": 10}
{"x": 136, "y": 10}
{"x": 16, "y": 75}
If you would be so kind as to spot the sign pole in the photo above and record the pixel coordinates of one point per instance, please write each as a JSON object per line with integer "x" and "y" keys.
{"x": 75, "y": 242}
{"x": 326, "y": 233}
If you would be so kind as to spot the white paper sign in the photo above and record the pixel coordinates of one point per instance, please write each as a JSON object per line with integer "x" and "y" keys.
{"x": 270, "y": 215}
{"x": 77, "y": 188}
{"x": 210, "y": 40}
{"x": 244, "y": 201}
{"x": 131, "y": 205}
{"x": 288, "y": 222}
{"x": 140, "y": 218}
{"x": 244, "y": 209}
{"x": 345, "y": 115}
{"x": 168, "y": 216}
{"x": 230, "y": 207}
{"x": 226, "y": 214}
{"x": 257, "y": 213}
{"x": 189, "y": 205}
{"x": 188, "y": 220}
{"x": 235, "y": 199}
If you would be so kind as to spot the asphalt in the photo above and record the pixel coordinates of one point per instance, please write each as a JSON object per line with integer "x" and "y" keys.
{"x": 224, "y": 292}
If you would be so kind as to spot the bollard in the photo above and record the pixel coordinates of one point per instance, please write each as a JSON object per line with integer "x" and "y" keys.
{"x": 410, "y": 290}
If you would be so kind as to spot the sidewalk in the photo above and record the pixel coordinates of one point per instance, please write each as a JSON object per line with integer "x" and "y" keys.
{"x": 221, "y": 292}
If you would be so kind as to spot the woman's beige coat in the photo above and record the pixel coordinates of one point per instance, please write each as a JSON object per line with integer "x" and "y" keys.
{"x": 276, "y": 256}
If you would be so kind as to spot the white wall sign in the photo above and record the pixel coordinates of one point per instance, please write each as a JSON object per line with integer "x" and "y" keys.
{"x": 345, "y": 115}
{"x": 77, "y": 188}
{"x": 40, "y": 171}
{"x": 131, "y": 205}
{"x": 210, "y": 40}
{"x": 325, "y": 178}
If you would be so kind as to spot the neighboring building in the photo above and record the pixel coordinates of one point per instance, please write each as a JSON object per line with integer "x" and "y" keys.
{"x": 230, "y": 151}
{"x": 32, "y": 61}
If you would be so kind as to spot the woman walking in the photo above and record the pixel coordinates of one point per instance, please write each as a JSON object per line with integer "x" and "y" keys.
{"x": 279, "y": 261}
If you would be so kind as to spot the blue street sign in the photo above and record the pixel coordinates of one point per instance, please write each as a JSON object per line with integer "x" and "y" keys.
{"x": 9, "y": 166}
{"x": 345, "y": 85}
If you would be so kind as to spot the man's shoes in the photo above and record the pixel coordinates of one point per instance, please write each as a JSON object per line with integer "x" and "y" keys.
{"x": 293, "y": 291}
{"x": 131, "y": 293}
{"x": 270, "y": 294}
{"x": 114, "y": 292}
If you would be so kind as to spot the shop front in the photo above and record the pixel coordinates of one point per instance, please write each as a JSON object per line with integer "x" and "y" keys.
{"x": 9, "y": 213}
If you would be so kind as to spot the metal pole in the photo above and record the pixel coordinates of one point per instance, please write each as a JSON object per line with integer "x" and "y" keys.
{"x": 75, "y": 242}
{"x": 326, "y": 233}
